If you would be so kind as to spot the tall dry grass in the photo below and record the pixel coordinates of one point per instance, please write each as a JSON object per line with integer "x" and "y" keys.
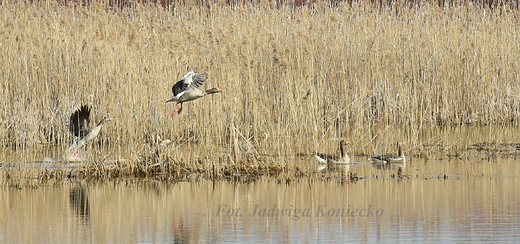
{"x": 289, "y": 74}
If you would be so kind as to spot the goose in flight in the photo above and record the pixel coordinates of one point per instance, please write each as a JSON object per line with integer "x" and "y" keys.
{"x": 79, "y": 126}
{"x": 187, "y": 89}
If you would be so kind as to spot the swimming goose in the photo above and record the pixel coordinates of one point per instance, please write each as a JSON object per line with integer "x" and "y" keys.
{"x": 79, "y": 127}
{"x": 391, "y": 158}
{"x": 187, "y": 89}
{"x": 335, "y": 162}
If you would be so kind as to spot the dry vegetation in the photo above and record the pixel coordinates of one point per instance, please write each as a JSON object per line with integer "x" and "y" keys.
{"x": 289, "y": 74}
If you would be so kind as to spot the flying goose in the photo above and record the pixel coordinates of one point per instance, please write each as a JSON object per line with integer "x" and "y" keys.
{"x": 80, "y": 128}
{"x": 187, "y": 89}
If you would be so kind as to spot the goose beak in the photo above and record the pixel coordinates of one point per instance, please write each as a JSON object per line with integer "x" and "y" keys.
{"x": 170, "y": 99}
{"x": 220, "y": 90}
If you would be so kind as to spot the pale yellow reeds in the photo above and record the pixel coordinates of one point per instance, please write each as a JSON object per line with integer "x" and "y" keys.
{"x": 288, "y": 73}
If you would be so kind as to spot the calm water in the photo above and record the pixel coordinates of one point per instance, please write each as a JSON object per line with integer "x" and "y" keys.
{"x": 478, "y": 202}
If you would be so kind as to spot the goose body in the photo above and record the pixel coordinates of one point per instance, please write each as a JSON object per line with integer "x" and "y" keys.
{"x": 391, "y": 158}
{"x": 79, "y": 127}
{"x": 334, "y": 162}
{"x": 187, "y": 89}
{"x": 389, "y": 161}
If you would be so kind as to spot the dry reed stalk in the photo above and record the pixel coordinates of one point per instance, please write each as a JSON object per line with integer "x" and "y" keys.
{"x": 377, "y": 71}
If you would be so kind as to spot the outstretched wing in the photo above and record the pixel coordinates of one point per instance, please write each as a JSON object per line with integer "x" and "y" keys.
{"x": 79, "y": 121}
{"x": 179, "y": 87}
{"x": 197, "y": 79}
{"x": 188, "y": 82}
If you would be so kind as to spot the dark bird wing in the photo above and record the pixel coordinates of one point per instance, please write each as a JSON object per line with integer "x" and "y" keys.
{"x": 188, "y": 82}
{"x": 79, "y": 121}
{"x": 179, "y": 87}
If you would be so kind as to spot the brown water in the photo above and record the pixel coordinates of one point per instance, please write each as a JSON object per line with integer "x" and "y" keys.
{"x": 479, "y": 201}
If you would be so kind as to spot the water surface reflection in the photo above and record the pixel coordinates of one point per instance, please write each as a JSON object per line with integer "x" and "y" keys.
{"x": 78, "y": 199}
{"x": 477, "y": 202}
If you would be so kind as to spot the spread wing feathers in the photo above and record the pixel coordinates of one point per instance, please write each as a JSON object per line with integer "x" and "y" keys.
{"x": 198, "y": 79}
{"x": 79, "y": 121}
{"x": 188, "y": 82}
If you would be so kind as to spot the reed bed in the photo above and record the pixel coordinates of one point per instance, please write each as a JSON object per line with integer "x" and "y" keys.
{"x": 293, "y": 77}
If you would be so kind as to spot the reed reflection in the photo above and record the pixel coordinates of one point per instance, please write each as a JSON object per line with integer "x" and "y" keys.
{"x": 79, "y": 202}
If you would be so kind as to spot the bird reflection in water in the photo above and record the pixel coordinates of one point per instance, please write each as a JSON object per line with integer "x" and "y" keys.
{"x": 78, "y": 200}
